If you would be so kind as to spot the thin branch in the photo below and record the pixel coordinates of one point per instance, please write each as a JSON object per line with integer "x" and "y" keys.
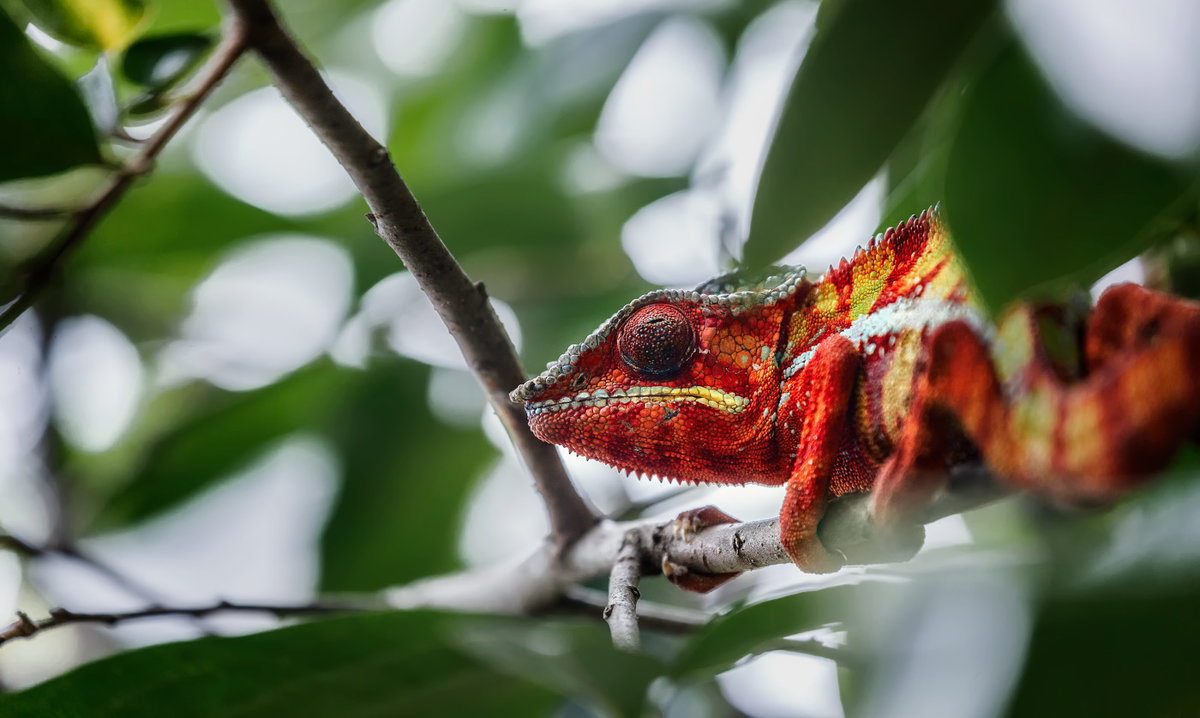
{"x": 25, "y": 627}
{"x": 583, "y": 601}
{"x": 399, "y": 220}
{"x": 41, "y": 270}
{"x": 118, "y": 579}
{"x": 538, "y": 581}
{"x": 9, "y": 211}
{"x": 623, "y": 594}
{"x": 19, "y": 547}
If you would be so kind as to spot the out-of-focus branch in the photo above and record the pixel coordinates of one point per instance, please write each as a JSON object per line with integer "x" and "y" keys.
{"x": 35, "y": 276}
{"x": 73, "y": 553}
{"x": 399, "y": 220}
{"x": 25, "y": 627}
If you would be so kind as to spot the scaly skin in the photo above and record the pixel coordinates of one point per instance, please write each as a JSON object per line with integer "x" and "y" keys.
{"x": 879, "y": 377}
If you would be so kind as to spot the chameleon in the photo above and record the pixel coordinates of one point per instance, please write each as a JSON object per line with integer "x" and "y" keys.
{"x": 881, "y": 376}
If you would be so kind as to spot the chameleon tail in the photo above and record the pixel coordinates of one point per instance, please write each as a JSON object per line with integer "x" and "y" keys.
{"x": 1085, "y": 439}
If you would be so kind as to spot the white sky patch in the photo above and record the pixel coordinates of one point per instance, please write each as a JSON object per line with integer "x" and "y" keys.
{"x": 95, "y": 381}
{"x": 1132, "y": 271}
{"x": 455, "y": 397}
{"x": 412, "y": 328}
{"x": 849, "y": 229}
{"x": 665, "y": 104}
{"x": 586, "y": 170}
{"x": 767, "y": 55}
{"x": 673, "y": 240}
{"x": 544, "y": 20}
{"x": 271, "y": 306}
{"x": 1129, "y": 67}
{"x": 784, "y": 684}
{"x": 415, "y": 37}
{"x": 258, "y": 149}
{"x": 26, "y": 510}
{"x": 505, "y": 516}
{"x": 254, "y": 537}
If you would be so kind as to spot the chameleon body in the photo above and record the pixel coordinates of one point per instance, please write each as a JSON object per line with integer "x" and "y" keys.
{"x": 881, "y": 376}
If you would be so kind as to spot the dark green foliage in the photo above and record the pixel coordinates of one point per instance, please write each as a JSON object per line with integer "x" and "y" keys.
{"x": 871, "y": 70}
{"x": 44, "y": 127}
{"x": 1036, "y": 196}
{"x": 372, "y": 665}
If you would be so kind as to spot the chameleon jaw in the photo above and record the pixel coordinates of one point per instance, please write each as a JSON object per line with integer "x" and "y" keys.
{"x": 705, "y": 396}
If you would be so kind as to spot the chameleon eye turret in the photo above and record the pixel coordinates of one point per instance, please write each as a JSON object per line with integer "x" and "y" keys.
{"x": 657, "y": 341}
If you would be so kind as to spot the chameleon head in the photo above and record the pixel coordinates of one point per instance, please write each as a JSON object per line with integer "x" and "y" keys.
{"x": 678, "y": 384}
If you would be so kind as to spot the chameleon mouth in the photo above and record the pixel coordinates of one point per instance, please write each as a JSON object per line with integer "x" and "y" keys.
{"x": 712, "y": 398}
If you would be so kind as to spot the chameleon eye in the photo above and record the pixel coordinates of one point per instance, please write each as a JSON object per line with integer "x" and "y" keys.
{"x": 657, "y": 340}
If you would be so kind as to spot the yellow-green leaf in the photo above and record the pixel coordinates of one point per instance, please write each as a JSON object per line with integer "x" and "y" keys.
{"x": 101, "y": 24}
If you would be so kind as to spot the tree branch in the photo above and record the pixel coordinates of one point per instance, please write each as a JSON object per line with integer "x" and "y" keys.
{"x": 623, "y": 594}
{"x": 398, "y": 219}
{"x": 42, "y": 269}
{"x": 25, "y": 627}
{"x": 536, "y": 582}
{"x": 118, "y": 579}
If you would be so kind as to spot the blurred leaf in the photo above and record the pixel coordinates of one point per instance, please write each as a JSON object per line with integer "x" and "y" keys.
{"x": 406, "y": 480}
{"x": 1034, "y": 196}
{"x": 372, "y": 665}
{"x": 510, "y": 207}
{"x": 100, "y": 24}
{"x": 100, "y": 96}
{"x": 162, "y": 61}
{"x": 576, "y": 659}
{"x": 1124, "y": 652}
{"x": 868, "y": 74}
{"x": 226, "y": 432}
{"x": 743, "y": 631}
{"x": 44, "y": 127}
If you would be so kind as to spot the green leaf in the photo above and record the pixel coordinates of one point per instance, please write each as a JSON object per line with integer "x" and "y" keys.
{"x": 1113, "y": 655}
{"x": 741, "y": 632}
{"x": 226, "y": 432}
{"x": 44, "y": 126}
{"x": 100, "y": 24}
{"x": 371, "y": 665}
{"x": 161, "y": 62}
{"x": 573, "y": 658}
{"x": 869, "y": 73}
{"x": 406, "y": 478}
{"x": 1035, "y": 196}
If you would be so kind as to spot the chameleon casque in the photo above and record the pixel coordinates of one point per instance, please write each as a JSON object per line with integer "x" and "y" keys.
{"x": 881, "y": 376}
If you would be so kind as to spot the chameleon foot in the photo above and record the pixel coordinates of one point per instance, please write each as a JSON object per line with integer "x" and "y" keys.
{"x": 685, "y": 527}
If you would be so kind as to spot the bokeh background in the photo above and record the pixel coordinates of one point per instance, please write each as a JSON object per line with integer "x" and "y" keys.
{"x": 236, "y": 391}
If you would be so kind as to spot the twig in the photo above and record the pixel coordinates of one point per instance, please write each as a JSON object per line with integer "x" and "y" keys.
{"x": 33, "y": 213}
{"x": 583, "y": 601}
{"x": 623, "y": 594}
{"x": 28, "y": 550}
{"x": 19, "y": 547}
{"x": 398, "y": 220}
{"x": 24, "y": 626}
{"x": 43, "y": 268}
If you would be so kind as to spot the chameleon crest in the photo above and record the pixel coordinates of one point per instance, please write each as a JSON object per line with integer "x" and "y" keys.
{"x": 881, "y": 376}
